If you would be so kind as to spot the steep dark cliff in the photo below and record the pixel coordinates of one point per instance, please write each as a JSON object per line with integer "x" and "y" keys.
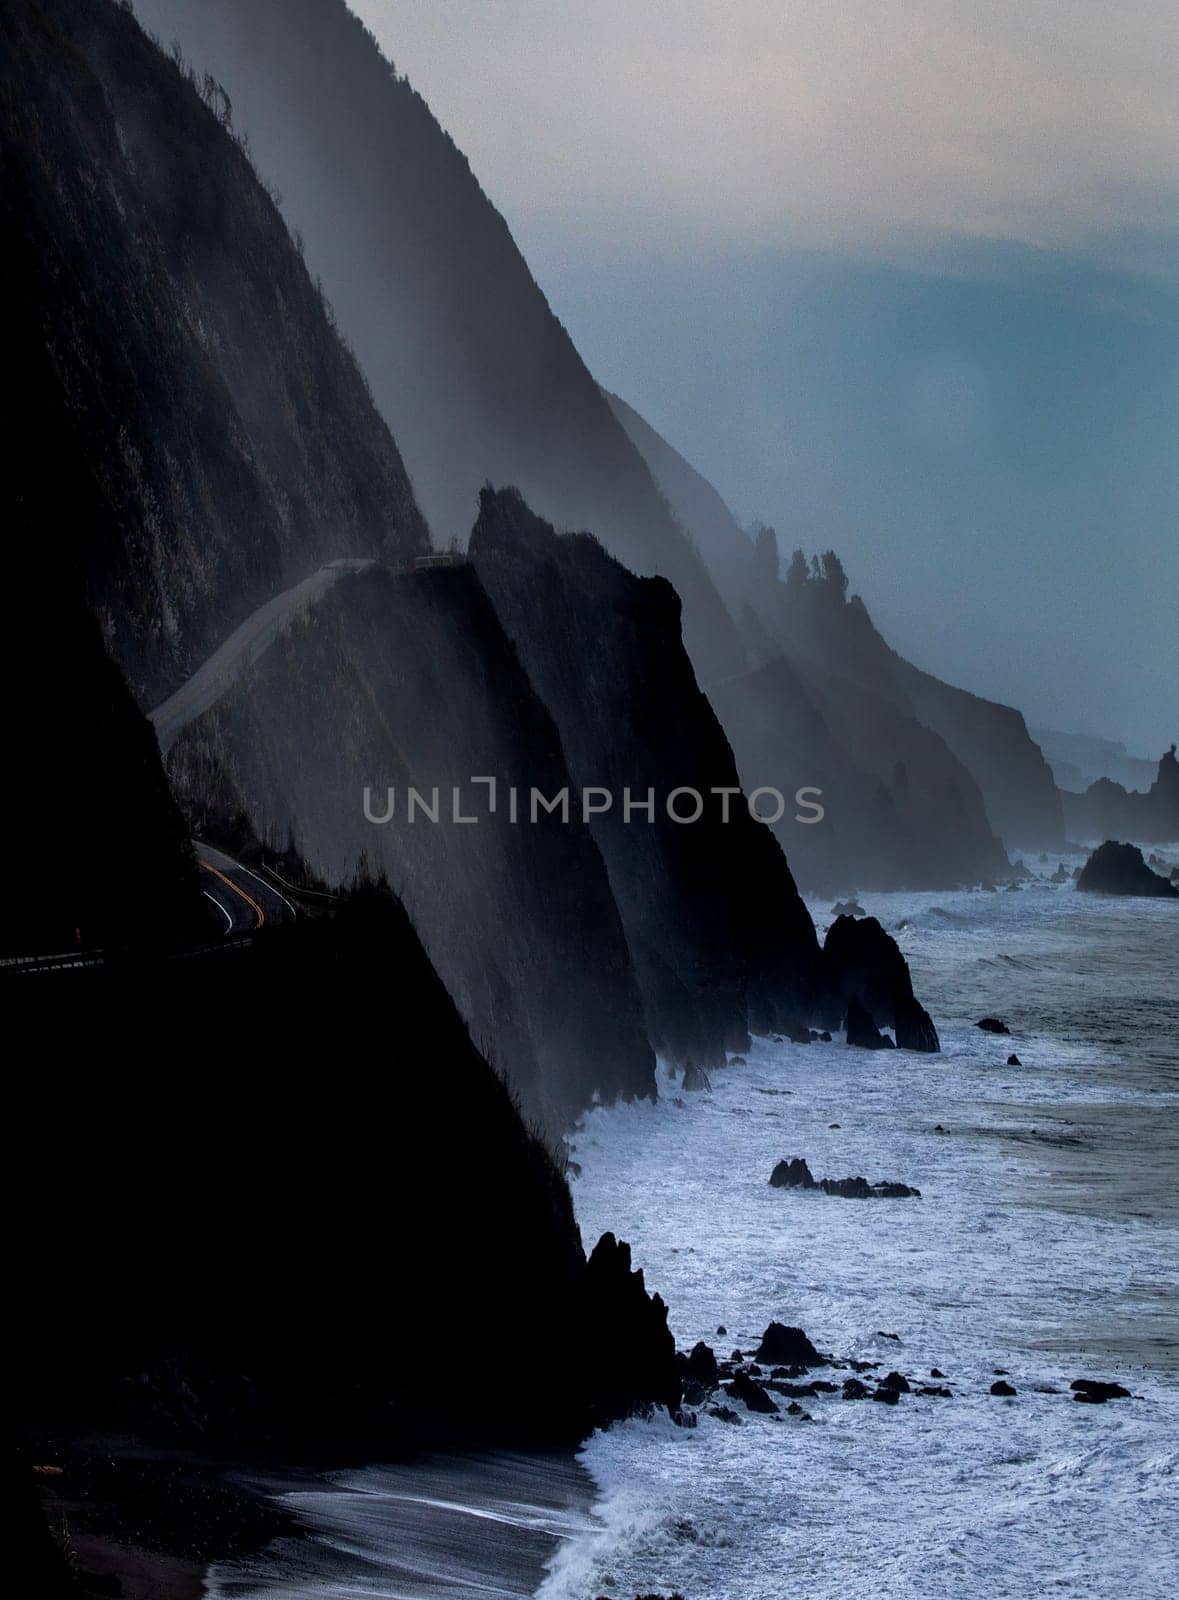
{"x": 408, "y": 681}
{"x": 372, "y": 1255}
{"x": 471, "y": 369}
{"x": 202, "y": 389}
{"x": 720, "y": 938}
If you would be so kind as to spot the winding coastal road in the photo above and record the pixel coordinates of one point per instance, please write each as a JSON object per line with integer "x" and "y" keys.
{"x": 245, "y": 900}
{"x": 243, "y": 647}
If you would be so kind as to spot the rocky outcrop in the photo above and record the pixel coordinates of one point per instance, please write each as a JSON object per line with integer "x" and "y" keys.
{"x": 639, "y": 1370}
{"x": 796, "y": 1174}
{"x": 787, "y": 1347}
{"x": 864, "y": 964}
{"x": 1107, "y": 810}
{"x": 1119, "y": 869}
{"x": 721, "y": 941}
{"x": 1095, "y": 1392}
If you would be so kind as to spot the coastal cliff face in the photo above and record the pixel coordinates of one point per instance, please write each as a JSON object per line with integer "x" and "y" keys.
{"x": 408, "y": 681}
{"x": 889, "y": 833}
{"x": 472, "y": 371}
{"x": 720, "y": 938}
{"x": 315, "y": 1270}
{"x": 203, "y": 390}
{"x": 1106, "y": 810}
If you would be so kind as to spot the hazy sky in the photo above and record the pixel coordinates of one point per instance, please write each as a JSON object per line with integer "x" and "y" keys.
{"x": 899, "y": 277}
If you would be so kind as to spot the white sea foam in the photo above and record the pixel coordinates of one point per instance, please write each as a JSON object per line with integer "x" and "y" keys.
{"x": 1001, "y": 1264}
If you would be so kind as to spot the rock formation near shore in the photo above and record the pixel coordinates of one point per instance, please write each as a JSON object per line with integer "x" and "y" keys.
{"x": 1119, "y": 869}
{"x": 720, "y": 938}
{"x": 864, "y": 965}
{"x": 1107, "y": 810}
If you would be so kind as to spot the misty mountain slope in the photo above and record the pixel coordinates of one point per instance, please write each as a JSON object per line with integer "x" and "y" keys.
{"x": 208, "y": 395}
{"x": 723, "y": 543}
{"x": 475, "y": 376}
{"x": 720, "y": 938}
{"x": 400, "y": 681}
{"x": 309, "y": 1267}
{"x": 991, "y": 741}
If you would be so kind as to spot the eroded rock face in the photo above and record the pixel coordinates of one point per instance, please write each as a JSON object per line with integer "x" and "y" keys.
{"x": 1120, "y": 869}
{"x": 721, "y": 941}
{"x": 862, "y": 962}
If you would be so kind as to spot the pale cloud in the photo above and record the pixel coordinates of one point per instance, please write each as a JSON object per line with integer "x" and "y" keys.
{"x": 823, "y": 122}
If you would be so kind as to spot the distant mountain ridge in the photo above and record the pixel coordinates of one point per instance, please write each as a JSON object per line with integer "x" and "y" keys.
{"x": 841, "y": 659}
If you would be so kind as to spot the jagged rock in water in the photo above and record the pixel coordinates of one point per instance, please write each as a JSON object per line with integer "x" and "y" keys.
{"x": 895, "y": 1380}
{"x": 696, "y": 1079}
{"x": 1119, "y": 869}
{"x": 862, "y": 961}
{"x": 1094, "y": 1392}
{"x": 862, "y": 1032}
{"x": 701, "y": 1364}
{"x": 783, "y": 1346}
{"x": 751, "y": 1393}
{"x": 886, "y": 1395}
{"x": 626, "y": 1377}
{"x": 793, "y": 1174}
{"x": 796, "y": 1174}
{"x": 1014, "y": 1061}
{"x": 992, "y": 1025}
{"x": 1002, "y": 1387}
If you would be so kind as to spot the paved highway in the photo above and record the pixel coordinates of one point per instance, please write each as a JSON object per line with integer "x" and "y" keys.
{"x": 243, "y": 647}
{"x": 244, "y": 900}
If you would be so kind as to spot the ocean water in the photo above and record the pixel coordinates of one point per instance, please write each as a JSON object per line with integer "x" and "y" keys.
{"x": 1046, "y": 1243}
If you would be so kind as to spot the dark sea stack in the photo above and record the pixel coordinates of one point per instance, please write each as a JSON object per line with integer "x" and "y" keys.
{"x": 1119, "y": 869}
{"x": 1002, "y": 1388}
{"x": 992, "y": 1025}
{"x": 721, "y": 941}
{"x": 787, "y": 1347}
{"x": 701, "y": 1365}
{"x": 862, "y": 961}
{"x": 794, "y": 1174}
{"x": 407, "y": 679}
{"x": 625, "y": 1343}
{"x": 1014, "y": 1061}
